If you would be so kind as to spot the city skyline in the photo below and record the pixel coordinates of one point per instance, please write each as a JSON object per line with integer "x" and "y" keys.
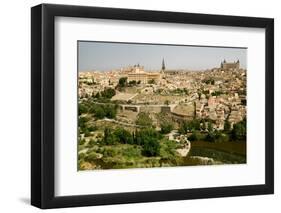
{"x": 106, "y": 56}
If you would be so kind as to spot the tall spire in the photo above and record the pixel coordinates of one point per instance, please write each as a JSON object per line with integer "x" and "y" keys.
{"x": 163, "y": 65}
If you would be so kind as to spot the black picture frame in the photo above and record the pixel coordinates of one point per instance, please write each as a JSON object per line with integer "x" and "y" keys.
{"x": 43, "y": 105}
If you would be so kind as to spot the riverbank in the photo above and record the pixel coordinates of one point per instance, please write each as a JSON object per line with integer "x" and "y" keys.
{"x": 218, "y": 153}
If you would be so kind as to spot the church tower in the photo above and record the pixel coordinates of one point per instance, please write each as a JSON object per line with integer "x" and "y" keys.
{"x": 162, "y": 74}
{"x": 163, "y": 65}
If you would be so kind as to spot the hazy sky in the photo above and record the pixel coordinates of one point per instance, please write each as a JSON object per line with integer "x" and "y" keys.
{"x": 106, "y": 56}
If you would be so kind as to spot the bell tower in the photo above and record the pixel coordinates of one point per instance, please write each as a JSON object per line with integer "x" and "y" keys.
{"x": 163, "y": 65}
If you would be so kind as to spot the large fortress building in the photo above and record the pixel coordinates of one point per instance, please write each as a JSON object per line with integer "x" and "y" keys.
{"x": 230, "y": 65}
{"x": 137, "y": 74}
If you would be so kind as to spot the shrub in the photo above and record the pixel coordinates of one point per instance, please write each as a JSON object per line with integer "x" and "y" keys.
{"x": 168, "y": 149}
{"x": 227, "y": 126}
{"x": 239, "y": 131}
{"x": 82, "y": 142}
{"x": 105, "y": 110}
{"x": 108, "y": 93}
{"x": 132, "y": 83}
{"x": 122, "y": 82}
{"x": 92, "y": 128}
{"x": 82, "y": 109}
{"x": 193, "y": 137}
{"x": 166, "y": 127}
{"x": 123, "y": 136}
{"x": 151, "y": 147}
{"x": 99, "y": 112}
{"x": 110, "y": 110}
{"x": 144, "y": 119}
{"x": 82, "y": 121}
{"x": 187, "y": 126}
{"x": 143, "y": 135}
{"x": 109, "y": 138}
{"x": 210, "y": 137}
{"x": 217, "y": 136}
{"x": 87, "y": 133}
{"x": 132, "y": 152}
{"x": 152, "y": 81}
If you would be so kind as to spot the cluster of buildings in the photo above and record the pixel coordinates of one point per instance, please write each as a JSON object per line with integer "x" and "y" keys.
{"x": 218, "y": 94}
{"x": 219, "y": 109}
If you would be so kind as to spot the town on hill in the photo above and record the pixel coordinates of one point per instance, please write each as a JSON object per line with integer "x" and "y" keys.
{"x": 136, "y": 118}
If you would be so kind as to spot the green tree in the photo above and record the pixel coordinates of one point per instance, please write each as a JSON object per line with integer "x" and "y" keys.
{"x": 168, "y": 149}
{"x": 99, "y": 112}
{"x": 110, "y": 110}
{"x": 132, "y": 83}
{"x": 82, "y": 109}
{"x": 221, "y": 137}
{"x": 122, "y": 82}
{"x": 239, "y": 131}
{"x": 140, "y": 137}
{"x": 209, "y": 81}
{"x": 217, "y": 136}
{"x": 211, "y": 137}
{"x": 83, "y": 121}
{"x": 227, "y": 126}
{"x": 108, "y": 138}
{"x": 92, "y": 128}
{"x": 183, "y": 128}
{"x": 166, "y": 127}
{"x": 151, "y": 147}
{"x": 143, "y": 119}
{"x": 216, "y": 93}
{"x": 108, "y": 93}
{"x": 194, "y": 136}
{"x": 123, "y": 136}
{"x": 210, "y": 127}
{"x": 187, "y": 126}
{"x": 152, "y": 81}
{"x": 204, "y": 125}
{"x": 149, "y": 140}
{"x": 194, "y": 124}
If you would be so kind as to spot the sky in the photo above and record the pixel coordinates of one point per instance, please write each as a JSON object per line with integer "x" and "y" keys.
{"x": 105, "y": 56}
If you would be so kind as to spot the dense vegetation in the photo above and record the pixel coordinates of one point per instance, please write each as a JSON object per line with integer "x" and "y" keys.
{"x": 144, "y": 145}
{"x": 238, "y": 132}
{"x": 98, "y": 110}
{"x": 104, "y": 96}
{"x": 147, "y": 138}
{"x": 120, "y": 148}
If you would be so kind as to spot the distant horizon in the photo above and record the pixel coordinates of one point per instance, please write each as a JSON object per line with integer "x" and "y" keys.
{"x": 107, "y": 56}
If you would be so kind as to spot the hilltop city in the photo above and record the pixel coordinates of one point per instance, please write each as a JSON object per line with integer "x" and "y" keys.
{"x": 182, "y": 105}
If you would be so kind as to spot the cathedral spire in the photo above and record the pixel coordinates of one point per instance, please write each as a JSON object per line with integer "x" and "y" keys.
{"x": 163, "y": 65}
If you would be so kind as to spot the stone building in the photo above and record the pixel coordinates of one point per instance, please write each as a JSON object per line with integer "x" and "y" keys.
{"x": 137, "y": 74}
{"x": 230, "y": 65}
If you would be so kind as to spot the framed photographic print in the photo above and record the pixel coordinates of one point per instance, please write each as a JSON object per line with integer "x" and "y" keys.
{"x": 139, "y": 106}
